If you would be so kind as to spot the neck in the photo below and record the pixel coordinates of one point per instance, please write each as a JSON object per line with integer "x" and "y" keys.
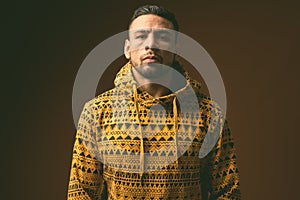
{"x": 155, "y": 87}
{"x": 161, "y": 86}
{"x": 155, "y": 90}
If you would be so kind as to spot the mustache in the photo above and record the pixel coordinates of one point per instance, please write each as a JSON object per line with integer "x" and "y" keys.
{"x": 151, "y": 55}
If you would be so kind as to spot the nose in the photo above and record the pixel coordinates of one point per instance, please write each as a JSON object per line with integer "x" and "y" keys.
{"x": 151, "y": 42}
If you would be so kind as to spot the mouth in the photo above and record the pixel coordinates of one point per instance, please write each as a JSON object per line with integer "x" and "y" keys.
{"x": 152, "y": 59}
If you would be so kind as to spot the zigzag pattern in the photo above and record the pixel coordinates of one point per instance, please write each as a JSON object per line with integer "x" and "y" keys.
{"x": 147, "y": 152}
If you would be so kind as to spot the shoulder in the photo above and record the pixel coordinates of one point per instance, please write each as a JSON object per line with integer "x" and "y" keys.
{"x": 206, "y": 103}
{"x": 100, "y": 101}
{"x": 211, "y": 113}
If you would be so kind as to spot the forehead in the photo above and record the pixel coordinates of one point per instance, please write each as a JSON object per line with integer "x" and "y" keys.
{"x": 150, "y": 21}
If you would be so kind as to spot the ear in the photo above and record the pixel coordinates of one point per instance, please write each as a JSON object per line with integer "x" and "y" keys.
{"x": 177, "y": 47}
{"x": 176, "y": 52}
{"x": 127, "y": 49}
{"x": 176, "y": 57}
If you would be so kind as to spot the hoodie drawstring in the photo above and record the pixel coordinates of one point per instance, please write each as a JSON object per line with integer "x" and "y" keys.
{"x": 175, "y": 113}
{"x": 142, "y": 152}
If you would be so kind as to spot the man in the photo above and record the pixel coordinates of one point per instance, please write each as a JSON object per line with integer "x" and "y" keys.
{"x": 142, "y": 139}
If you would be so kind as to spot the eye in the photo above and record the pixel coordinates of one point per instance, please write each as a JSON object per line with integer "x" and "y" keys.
{"x": 164, "y": 37}
{"x": 142, "y": 36}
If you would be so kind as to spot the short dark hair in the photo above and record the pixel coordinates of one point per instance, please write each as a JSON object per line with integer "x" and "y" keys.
{"x": 155, "y": 10}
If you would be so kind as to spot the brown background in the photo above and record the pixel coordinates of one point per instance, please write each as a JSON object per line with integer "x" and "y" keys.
{"x": 254, "y": 44}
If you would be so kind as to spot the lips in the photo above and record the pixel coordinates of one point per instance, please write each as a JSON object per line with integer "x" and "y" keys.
{"x": 152, "y": 59}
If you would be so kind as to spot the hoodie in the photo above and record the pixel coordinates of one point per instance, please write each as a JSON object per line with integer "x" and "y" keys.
{"x": 130, "y": 145}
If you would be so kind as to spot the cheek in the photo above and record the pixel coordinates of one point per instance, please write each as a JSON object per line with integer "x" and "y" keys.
{"x": 135, "y": 56}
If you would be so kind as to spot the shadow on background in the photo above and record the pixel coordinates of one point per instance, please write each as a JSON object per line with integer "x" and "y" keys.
{"x": 255, "y": 46}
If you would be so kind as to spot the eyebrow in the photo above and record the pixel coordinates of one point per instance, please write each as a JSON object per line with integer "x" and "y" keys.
{"x": 141, "y": 31}
{"x": 145, "y": 31}
{"x": 163, "y": 31}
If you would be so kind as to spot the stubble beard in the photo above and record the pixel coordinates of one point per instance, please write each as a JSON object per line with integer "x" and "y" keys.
{"x": 152, "y": 70}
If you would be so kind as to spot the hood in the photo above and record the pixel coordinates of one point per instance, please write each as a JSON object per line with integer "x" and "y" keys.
{"x": 125, "y": 84}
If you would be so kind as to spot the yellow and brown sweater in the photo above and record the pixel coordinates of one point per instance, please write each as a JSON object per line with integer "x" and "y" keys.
{"x": 130, "y": 145}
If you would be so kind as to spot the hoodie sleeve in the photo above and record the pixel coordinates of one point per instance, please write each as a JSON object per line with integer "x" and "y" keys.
{"x": 86, "y": 181}
{"x": 221, "y": 172}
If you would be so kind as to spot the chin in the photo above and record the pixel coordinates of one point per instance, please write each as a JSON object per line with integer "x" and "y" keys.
{"x": 152, "y": 70}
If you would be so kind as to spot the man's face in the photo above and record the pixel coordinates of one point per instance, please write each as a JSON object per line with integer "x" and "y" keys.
{"x": 150, "y": 42}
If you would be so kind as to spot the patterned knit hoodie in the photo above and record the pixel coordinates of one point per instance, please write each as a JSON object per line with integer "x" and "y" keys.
{"x": 130, "y": 145}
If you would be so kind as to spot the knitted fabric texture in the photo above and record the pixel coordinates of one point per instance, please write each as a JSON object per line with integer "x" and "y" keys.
{"x": 130, "y": 145}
